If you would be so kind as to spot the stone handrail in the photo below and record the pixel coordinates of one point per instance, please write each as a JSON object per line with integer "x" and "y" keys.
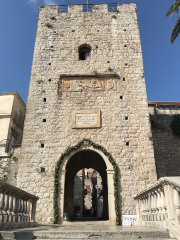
{"x": 159, "y": 204}
{"x": 16, "y": 206}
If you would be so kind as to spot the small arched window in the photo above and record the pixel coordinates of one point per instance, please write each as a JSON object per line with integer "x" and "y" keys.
{"x": 84, "y": 53}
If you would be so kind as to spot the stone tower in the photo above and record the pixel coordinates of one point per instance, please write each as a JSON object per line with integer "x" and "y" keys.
{"x": 87, "y": 82}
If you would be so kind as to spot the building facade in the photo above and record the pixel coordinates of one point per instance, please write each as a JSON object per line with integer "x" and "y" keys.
{"x": 87, "y": 108}
{"x": 12, "y": 114}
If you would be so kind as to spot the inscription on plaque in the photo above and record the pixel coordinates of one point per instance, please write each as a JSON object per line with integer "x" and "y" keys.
{"x": 86, "y": 119}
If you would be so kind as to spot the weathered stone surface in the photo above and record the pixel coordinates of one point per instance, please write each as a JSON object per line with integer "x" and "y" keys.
{"x": 125, "y": 128}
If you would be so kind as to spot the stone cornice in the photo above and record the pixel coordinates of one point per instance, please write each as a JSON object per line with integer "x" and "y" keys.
{"x": 100, "y": 75}
{"x": 14, "y": 93}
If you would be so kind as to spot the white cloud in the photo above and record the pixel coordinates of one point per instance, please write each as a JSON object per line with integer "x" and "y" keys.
{"x": 49, "y": 2}
{"x": 36, "y": 3}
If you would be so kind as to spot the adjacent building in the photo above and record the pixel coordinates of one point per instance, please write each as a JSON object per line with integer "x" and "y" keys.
{"x": 12, "y": 114}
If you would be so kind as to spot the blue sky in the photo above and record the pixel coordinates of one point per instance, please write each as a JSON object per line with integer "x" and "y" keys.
{"x": 18, "y": 21}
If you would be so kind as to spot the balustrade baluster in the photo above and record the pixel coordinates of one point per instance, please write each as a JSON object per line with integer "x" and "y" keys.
{"x": 14, "y": 209}
{"x": 159, "y": 205}
{"x": 155, "y": 210}
{"x": 177, "y": 205}
{"x": 152, "y": 207}
{"x": 144, "y": 208}
{"x": 19, "y": 209}
{"x": 28, "y": 209}
{"x": 6, "y": 206}
{"x": 163, "y": 205}
{"x": 10, "y": 207}
{"x": 25, "y": 210}
{"x": 1, "y": 207}
{"x": 149, "y": 206}
{"x": 22, "y": 210}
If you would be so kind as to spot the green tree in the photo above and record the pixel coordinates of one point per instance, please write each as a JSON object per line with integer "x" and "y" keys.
{"x": 176, "y": 28}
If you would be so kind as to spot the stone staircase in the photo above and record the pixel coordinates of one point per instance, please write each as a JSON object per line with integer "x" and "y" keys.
{"x": 86, "y": 230}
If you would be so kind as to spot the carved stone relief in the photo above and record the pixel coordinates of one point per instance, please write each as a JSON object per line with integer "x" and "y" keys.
{"x": 91, "y": 84}
{"x": 66, "y": 85}
{"x": 110, "y": 84}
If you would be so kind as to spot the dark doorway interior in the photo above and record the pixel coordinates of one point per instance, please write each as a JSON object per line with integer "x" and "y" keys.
{"x": 84, "y": 163}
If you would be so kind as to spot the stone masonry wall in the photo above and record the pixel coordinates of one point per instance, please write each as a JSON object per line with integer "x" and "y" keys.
{"x": 9, "y": 166}
{"x": 125, "y": 127}
{"x": 166, "y": 145}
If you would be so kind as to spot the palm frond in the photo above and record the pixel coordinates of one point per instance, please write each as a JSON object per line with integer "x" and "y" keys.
{"x": 175, "y": 31}
{"x": 174, "y": 8}
{"x": 170, "y": 10}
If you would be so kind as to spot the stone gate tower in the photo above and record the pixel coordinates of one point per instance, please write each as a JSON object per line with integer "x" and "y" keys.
{"x": 87, "y": 82}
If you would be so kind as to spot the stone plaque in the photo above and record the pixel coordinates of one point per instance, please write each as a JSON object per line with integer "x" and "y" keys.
{"x": 86, "y": 119}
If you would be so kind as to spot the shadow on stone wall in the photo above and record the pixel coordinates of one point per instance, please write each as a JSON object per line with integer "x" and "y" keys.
{"x": 166, "y": 145}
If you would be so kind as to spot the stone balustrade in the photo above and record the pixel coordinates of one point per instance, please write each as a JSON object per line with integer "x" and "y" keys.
{"x": 159, "y": 205}
{"x": 17, "y": 207}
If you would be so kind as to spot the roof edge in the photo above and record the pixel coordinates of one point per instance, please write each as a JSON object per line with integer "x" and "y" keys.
{"x": 14, "y": 93}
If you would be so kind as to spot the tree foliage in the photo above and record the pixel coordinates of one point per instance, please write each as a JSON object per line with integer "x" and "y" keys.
{"x": 176, "y": 28}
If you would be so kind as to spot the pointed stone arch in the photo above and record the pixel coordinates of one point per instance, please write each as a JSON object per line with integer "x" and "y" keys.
{"x": 59, "y": 179}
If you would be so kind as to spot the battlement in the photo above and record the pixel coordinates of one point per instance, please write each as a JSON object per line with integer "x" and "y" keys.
{"x": 91, "y": 8}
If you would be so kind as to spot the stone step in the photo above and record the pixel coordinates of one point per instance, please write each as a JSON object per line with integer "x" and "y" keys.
{"x": 82, "y": 231}
{"x": 111, "y": 238}
{"x": 95, "y": 239}
{"x": 91, "y": 238}
{"x": 24, "y": 235}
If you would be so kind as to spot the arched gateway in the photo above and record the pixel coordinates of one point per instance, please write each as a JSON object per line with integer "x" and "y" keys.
{"x": 86, "y": 154}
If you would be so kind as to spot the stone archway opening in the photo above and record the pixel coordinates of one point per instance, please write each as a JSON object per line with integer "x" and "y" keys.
{"x": 82, "y": 170}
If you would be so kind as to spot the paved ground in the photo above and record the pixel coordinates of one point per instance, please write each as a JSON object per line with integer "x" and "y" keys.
{"x": 86, "y": 230}
{"x": 79, "y": 226}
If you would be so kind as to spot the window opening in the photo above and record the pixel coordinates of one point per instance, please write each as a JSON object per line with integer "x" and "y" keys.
{"x": 85, "y": 53}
